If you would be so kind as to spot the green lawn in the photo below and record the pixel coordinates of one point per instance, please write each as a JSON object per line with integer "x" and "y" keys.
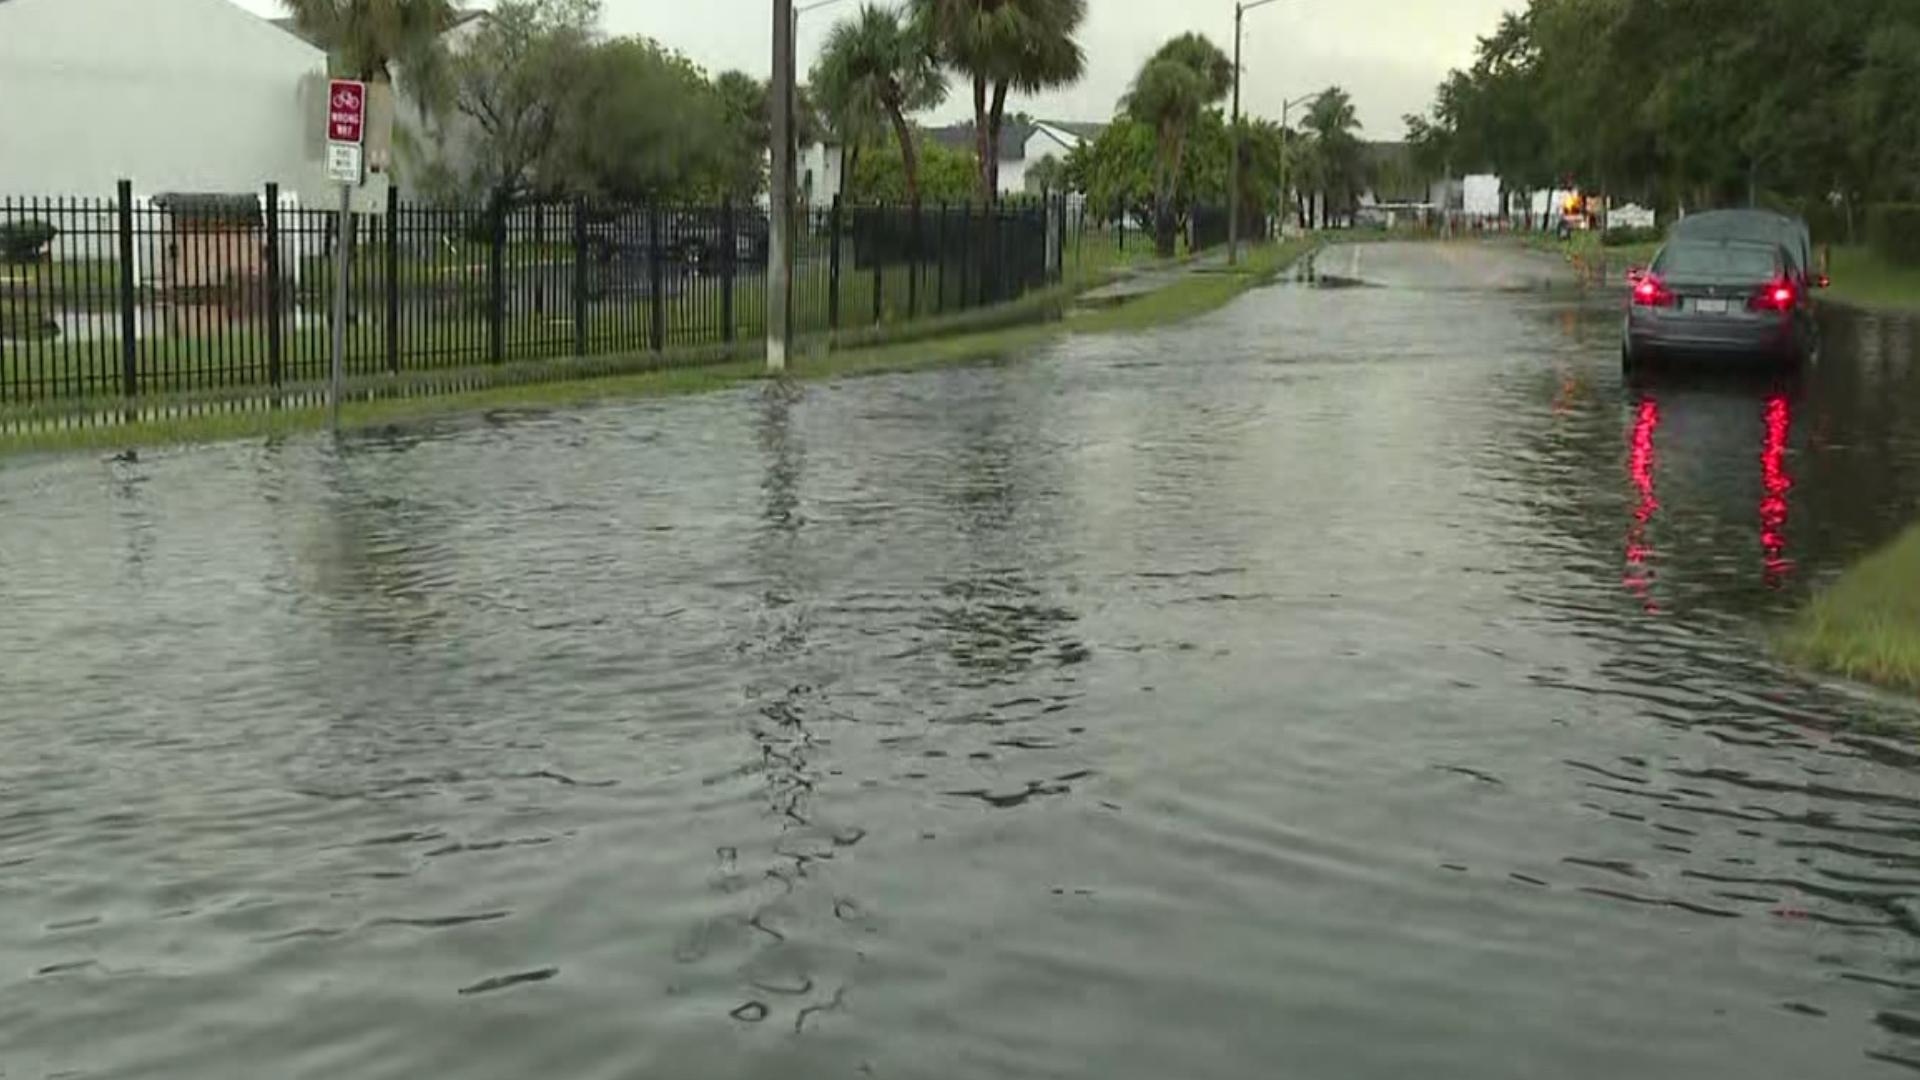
{"x": 202, "y": 349}
{"x": 973, "y": 336}
{"x": 1866, "y": 625}
{"x": 1864, "y": 279}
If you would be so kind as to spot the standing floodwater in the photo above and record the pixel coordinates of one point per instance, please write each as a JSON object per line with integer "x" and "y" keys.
{"x": 1358, "y": 682}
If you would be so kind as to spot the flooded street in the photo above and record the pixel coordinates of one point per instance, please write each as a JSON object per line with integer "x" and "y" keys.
{"x": 1359, "y": 681}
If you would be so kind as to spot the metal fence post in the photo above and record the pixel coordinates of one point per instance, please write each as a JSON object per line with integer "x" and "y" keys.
{"x": 129, "y": 323}
{"x": 497, "y": 283}
{"x": 940, "y": 273}
{"x": 874, "y": 245}
{"x": 580, "y": 276}
{"x": 729, "y": 260}
{"x": 1060, "y": 246}
{"x": 393, "y": 278}
{"x": 274, "y": 342}
{"x": 657, "y": 324}
{"x": 913, "y": 259}
{"x": 833, "y": 267}
{"x": 990, "y": 279}
{"x": 540, "y": 261}
{"x": 966, "y": 249}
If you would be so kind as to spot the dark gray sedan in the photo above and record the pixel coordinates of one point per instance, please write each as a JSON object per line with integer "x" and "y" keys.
{"x": 1732, "y": 301}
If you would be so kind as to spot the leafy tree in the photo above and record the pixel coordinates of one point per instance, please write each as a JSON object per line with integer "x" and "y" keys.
{"x": 876, "y": 68}
{"x": 644, "y": 127}
{"x": 1169, "y": 95}
{"x": 1807, "y": 104}
{"x": 515, "y": 80}
{"x": 1116, "y": 171}
{"x": 374, "y": 39}
{"x": 1003, "y": 46}
{"x": 946, "y": 175}
{"x": 1049, "y": 174}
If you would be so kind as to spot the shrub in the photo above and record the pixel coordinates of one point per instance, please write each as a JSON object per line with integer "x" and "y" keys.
{"x": 1894, "y": 230}
{"x": 23, "y": 241}
{"x": 1630, "y": 237}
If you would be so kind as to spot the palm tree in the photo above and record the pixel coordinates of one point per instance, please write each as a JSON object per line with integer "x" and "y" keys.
{"x": 371, "y": 39}
{"x": 1003, "y": 46}
{"x": 1342, "y": 164}
{"x": 876, "y": 66}
{"x": 1188, "y": 74}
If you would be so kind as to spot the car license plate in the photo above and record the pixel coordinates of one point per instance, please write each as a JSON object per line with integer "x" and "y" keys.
{"x": 1712, "y": 307}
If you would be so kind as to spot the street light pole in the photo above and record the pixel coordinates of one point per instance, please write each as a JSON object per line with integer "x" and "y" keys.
{"x": 1233, "y": 178}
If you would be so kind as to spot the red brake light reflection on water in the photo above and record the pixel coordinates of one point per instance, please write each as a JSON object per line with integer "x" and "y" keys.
{"x": 1776, "y": 484}
{"x": 1641, "y": 463}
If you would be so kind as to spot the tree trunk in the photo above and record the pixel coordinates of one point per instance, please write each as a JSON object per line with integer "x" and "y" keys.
{"x": 982, "y": 149}
{"x": 995, "y": 118}
{"x": 1165, "y": 228}
{"x": 909, "y": 154}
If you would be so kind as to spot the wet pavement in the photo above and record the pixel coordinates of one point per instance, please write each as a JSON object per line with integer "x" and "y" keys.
{"x": 1356, "y": 682}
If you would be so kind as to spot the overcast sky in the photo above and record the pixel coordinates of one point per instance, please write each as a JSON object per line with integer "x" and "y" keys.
{"x": 1389, "y": 54}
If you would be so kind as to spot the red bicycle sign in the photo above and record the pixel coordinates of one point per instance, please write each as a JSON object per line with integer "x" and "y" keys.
{"x": 346, "y": 111}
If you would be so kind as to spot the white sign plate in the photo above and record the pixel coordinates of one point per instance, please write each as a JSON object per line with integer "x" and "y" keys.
{"x": 343, "y": 162}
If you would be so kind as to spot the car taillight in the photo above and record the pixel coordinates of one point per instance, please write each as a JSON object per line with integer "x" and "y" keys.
{"x": 1775, "y": 296}
{"x": 1652, "y": 292}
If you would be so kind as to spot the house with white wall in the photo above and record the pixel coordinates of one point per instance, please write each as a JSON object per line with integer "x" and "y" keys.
{"x": 175, "y": 95}
{"x": 1022, "y": 143}
{"x": 1051, "y": 139}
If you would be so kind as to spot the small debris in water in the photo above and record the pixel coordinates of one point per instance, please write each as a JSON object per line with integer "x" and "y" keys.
{"x": 501, "y": 982}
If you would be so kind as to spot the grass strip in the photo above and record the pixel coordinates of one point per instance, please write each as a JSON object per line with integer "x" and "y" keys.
{"x": 1866, "y": 626}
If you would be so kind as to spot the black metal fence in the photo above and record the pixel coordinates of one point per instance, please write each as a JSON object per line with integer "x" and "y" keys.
{"x": 113, "y": 298}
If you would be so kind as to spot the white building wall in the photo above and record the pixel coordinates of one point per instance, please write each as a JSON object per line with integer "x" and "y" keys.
{"x": 176, "y": 95}
{"x": 1046, "y": 141}
{"x": 818, "y": 172}
{"x": 1013, "y": 177}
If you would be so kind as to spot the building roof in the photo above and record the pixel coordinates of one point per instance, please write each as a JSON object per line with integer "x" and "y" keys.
{"x": 1013, "y": 138}
{"x": 1086, "y": 129}
{"x": 1014, "y": 134}
{"x": 1066, "y": 134}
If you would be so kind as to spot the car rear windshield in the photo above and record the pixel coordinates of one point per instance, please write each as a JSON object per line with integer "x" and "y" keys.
{"x": 1739, "y": 262}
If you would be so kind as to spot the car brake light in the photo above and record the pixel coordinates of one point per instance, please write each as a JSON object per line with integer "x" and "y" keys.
{"x": 1652, "y": 292}
{"x": 1775, "y": 296}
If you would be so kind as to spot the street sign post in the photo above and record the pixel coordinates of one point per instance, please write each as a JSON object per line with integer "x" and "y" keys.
{"x": 346, "y": 134}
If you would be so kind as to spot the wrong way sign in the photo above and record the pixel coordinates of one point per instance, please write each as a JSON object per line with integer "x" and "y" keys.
{"x": 346, "y": 111}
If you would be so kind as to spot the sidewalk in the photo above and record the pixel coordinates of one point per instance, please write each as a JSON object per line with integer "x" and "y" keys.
{"x": 1137, "y": 281}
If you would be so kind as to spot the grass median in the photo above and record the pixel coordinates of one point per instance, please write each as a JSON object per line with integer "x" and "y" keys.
{"x": 979, "y": 336}
{"x": 1863, "y": 279}
{"x": 1866, "y": 626}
